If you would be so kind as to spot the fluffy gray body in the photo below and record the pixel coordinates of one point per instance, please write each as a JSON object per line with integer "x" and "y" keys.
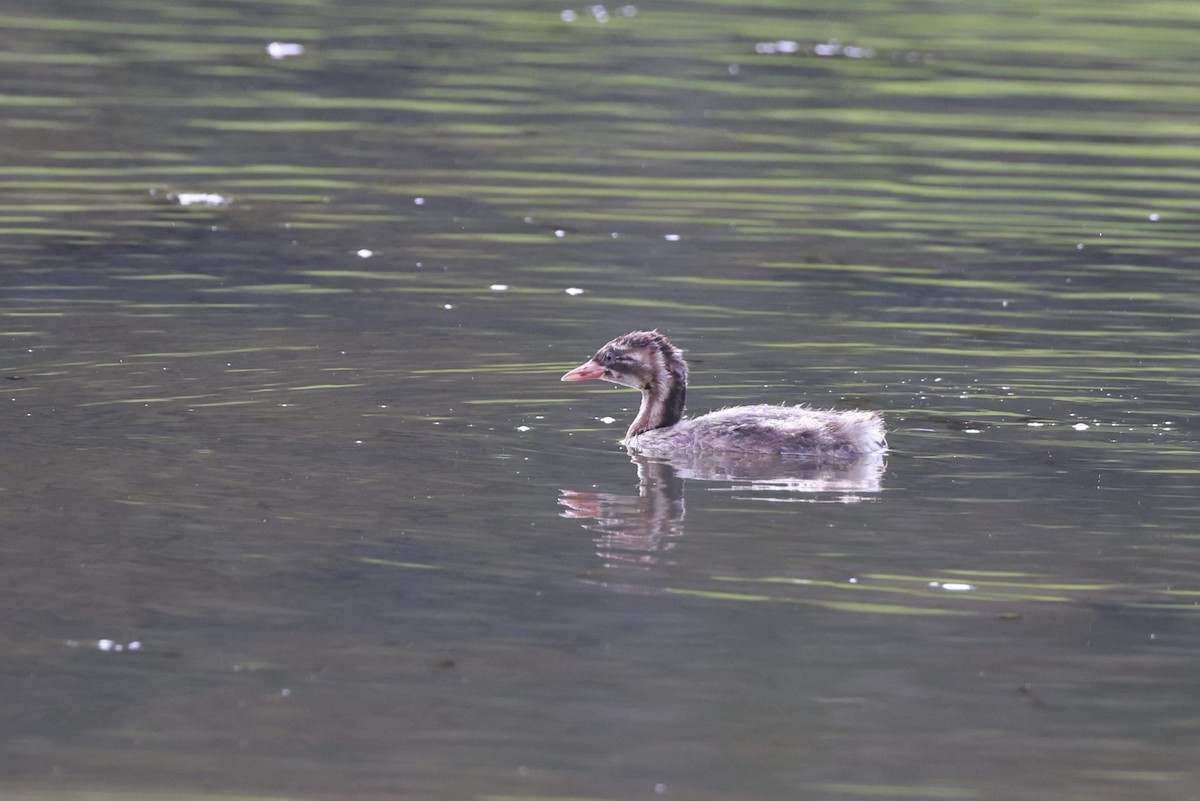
{"x": 648, "y": 362}
{"x": 796, "y": 430}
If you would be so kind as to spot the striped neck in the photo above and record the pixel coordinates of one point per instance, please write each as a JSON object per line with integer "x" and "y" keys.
{"x": 663, "y": 397}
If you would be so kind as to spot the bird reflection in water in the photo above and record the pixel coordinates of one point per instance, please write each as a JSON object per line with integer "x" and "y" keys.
{"x": 638, "y": 532}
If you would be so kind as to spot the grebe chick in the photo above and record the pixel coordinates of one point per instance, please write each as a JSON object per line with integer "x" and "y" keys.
{"x": 646, "y": 361}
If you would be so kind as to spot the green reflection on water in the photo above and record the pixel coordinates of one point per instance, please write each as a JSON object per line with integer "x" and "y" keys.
{"x": 899, "y": 791}
{"x": 899, "y": 198}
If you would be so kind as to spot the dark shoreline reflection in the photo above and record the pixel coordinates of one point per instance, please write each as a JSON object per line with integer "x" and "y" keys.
{"x": 637, "y": 531}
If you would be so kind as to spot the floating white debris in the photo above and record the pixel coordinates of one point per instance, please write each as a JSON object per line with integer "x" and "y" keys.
{"x": 1081, "y": 426}
{"x": 278, "y": 50}
{"x": 573, "y": 290}
{"x": 1154, "y": 217}
{"x": 1079, "y": 246}
{"x": 783, "y": 46}
{"x": 110, "y": 645}
{"x": 671, "y": 237}
{"x": 447, "y": 306}
{"x": 599, "y": 13}
{"x": 420, "y": 201}
{"x": 199, "y": 199}
{"x": 952, "y": 586}
{"x": 560, "y": 233}
{"x": 734, "y": 69}
{"x": 524, "y": 428}
{"x": 829, "y": 49}
{"x": 365, "y": 254}
{"x": 608, "y": 421}
{"x": 1035, "y": 424}
{"x": 972, "y": 431}
{"x": 498, "y": 287}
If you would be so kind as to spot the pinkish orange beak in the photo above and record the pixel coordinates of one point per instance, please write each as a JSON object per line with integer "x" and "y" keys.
{"x": 583, "y": 372}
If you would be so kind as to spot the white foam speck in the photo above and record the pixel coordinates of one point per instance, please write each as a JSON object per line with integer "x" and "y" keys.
{"x": 200, "y": 199}
{"x": 1080, "y": 426}
{"x": 365, "y": 254}
{"x": 498, "y": 287}
{"x": 573, "y": 290}
{"x": 278, "y": 50}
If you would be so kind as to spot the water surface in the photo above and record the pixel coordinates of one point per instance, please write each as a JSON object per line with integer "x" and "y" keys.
{"x": 294, "y": 504}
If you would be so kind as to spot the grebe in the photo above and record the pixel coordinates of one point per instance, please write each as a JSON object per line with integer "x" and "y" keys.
{"x": 646, "y": 361}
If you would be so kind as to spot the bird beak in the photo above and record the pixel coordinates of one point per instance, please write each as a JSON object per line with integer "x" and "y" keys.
{"x": 583, "y": 372}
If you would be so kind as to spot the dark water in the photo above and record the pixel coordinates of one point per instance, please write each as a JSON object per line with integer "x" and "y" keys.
{"x": 285, "y": 518}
